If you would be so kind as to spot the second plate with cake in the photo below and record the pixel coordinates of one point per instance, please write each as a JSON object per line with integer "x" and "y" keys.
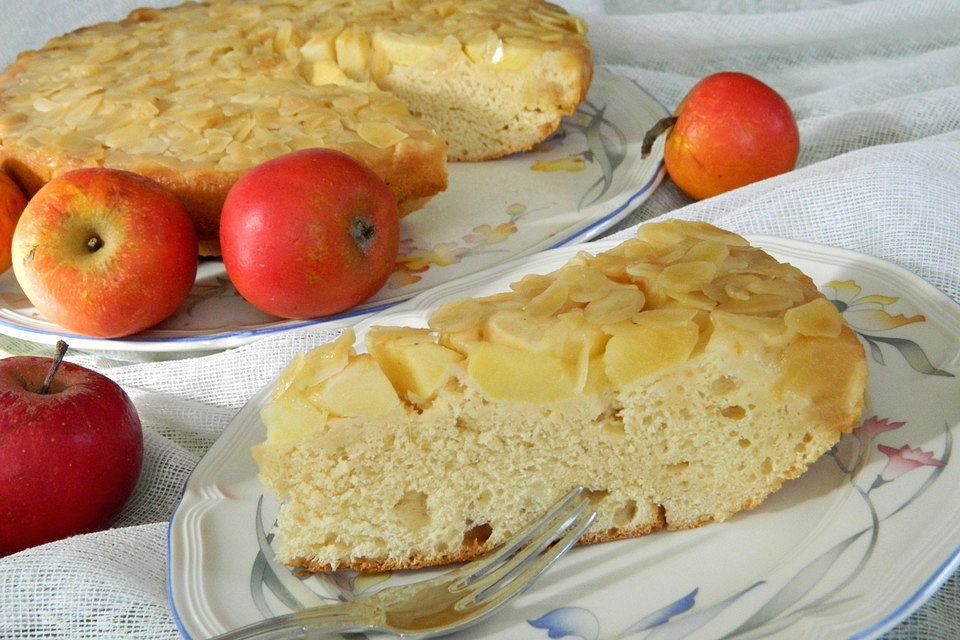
{"x": 574, "y": 185}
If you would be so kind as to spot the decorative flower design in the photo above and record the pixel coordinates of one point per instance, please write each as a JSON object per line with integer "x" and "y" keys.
{"x": 865, "y": 433}
{"x": 902, "y": 460}
{"x": 401, "y": 278}
{"x": 442, "y": 254}
{"x": 871, "y": 428}
{"x": 485, "y": 234}
{"x": 606, "y": 146}
{"x": 413, "y": 260}
{"x": 569, "y": 621}
{"x": 869, "y": 313}
{"x": 569, "y": 163}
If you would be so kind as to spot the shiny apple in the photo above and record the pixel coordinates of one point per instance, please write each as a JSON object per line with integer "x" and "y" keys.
{"x": 104, "y": 252}
{"x": 309, "y": 234}
{"x": 71, "y": 448}
{"x": 730, "y": 130}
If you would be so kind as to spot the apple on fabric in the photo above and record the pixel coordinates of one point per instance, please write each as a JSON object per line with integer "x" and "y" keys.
{"x": 105, "y": 252}
{"x": 308, "y": 234}
{"x": 730, "y": 130}
{"x": 71, "y": 448}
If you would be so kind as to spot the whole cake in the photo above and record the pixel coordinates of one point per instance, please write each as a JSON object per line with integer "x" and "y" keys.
{"x": 680, "y": 377}
{"x": 194, "y": 95}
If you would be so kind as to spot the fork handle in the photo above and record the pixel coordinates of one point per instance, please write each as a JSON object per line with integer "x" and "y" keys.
{"x": 344, "y": 617}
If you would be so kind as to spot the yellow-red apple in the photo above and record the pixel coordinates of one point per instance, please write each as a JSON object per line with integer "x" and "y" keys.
{"x": 71, "y": 447}
{"x": 104, "y": 252}
{"x": 730, "y": 130}
{"x": 309, "y": 234}
{"x": 12, "y": 202}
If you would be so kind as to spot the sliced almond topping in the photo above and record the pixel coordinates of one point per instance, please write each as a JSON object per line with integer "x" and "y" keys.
{"x": 380, "y": 134}
{"x": 619, "y": 304}
{"x": 816, "y": 318}
{"x": 549, "y": 302}
{"x": 458, "y": 316}
{"x": 586, "y": 283}
{"x": 687, "y": 276}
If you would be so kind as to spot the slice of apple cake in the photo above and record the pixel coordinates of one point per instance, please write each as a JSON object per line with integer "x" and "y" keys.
{"x": 680, "y": 377}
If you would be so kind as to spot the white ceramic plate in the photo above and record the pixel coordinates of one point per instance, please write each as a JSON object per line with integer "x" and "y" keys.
{"x": 574, "y": 185}
{"x": 847, "y": 550}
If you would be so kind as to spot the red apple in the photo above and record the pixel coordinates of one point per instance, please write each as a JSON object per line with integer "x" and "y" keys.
{"x": 309, "y": 234}
{"x": 105, "y": 252}
{"x": 12, "y": 202}
{"x": 70, "y": 456}
{"x": 729, "y": 131}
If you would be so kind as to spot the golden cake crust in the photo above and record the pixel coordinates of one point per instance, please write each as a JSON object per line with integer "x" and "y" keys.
{"x": 196, "y": 94}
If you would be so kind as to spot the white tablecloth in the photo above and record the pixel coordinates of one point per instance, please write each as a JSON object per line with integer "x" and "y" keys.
{"x": 875, "y": 86}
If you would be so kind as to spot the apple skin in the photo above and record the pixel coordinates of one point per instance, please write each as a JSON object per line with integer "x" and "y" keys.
{"x": 12, "y": 202}
{"x": 731, "y": 130}
{"x": 309, "y": 234}
{"x": 104, "y": 252}
{"x": 69, "y": 459}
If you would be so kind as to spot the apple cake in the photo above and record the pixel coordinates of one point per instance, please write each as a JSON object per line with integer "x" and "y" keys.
{"x": 679, "y": 377}
{"x": 195, "y": 94}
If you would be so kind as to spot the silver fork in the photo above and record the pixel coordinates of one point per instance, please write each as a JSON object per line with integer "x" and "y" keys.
{"x": 449, "y": 602}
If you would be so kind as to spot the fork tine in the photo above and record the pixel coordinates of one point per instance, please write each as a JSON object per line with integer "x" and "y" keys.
{"x": 515, "y": 575}
{"x": 475, "y": 570}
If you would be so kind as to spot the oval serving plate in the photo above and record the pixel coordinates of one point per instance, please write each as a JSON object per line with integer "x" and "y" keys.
{"x": 846, "y": 550}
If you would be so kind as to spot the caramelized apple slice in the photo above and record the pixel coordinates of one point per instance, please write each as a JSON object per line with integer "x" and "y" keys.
{"x": 637, "y": 350}
{"x": 290, "y": 416}
{"x": 505, "y": 373}
{"x": 359, "y": 389}
{"x": 318, "y": 364}
{"x": 514, "y": 328}
{"x": 415, "y": 364}
{"x": 564, "y": 336}
{"x": 620, "y": 303}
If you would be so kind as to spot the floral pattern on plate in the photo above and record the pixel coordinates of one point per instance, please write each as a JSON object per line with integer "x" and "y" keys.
{"x": 606, "y": 146}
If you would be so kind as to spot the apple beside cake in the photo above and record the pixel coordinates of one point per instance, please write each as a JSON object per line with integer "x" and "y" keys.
{"x": 194, "y": 95}
{"x": 680, "y": 377}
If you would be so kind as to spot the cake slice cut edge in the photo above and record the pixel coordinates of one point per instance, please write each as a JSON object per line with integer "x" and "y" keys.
{"x": 681, "y": 377}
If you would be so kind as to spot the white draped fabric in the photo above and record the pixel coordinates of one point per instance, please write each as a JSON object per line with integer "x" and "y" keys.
{"x": 875, "y": 86}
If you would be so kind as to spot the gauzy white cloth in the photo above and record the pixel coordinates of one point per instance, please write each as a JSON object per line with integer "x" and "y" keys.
{"x": 875, "y": 86}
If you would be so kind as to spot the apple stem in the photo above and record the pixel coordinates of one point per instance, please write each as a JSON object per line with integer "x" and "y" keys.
{"x": 94, "y": 243}
{"x": 661, "y": 125}
{"x": 57, "y": 359}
